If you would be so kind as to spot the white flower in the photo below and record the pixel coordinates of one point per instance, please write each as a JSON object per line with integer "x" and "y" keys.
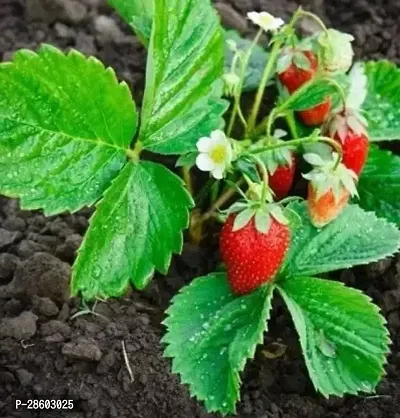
{"x": 337, "y": 51}
{"x": 265, "y": 20}
{"x": 215, "y": 154}
{"x": 358, "y": 87}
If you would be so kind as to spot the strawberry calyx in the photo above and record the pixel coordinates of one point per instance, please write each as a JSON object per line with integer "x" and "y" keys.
{"x": 278, "y": 157}
{"x": 259, "y": 204}
{"x": 347, "y": 120}
{"x": 296, "y": 56}
{"x": 328, "y": 176}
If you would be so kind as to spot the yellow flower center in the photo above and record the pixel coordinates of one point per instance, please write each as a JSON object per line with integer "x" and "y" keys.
{"x": 218, "y": 154}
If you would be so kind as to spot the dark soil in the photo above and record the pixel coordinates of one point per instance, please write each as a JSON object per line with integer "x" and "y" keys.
{"x": 46, "y": 352}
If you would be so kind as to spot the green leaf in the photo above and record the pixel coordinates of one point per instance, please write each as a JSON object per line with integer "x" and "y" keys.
{"x": 135, "y": 230}
{"x": 379, "y": 185}
{"x": 382, "y": 105}
{"x": 183, "y": 81}
{"x": 256, "y": 64}
{"x": 313, "y": 94}
{"x": 211, "y": 334}
{"x": 187, "y": 160}
{"x": 62, "y": 141}
{"x": 355, "y": 237}
{"x": 138, "y": 14}
{"x": 342, "y": 335}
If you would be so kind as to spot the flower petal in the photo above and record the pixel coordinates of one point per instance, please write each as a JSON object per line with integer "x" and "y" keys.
{"x": 218, "y": 171}
{"x": 218, "y": 137}
{"x": 204, "y": 162}
{"x": 204, "y": 144}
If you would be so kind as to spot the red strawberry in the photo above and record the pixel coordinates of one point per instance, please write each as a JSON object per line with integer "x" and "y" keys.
{"x": 349, "y": 129}
{"x": 326, "y": 208}
{"x": 281, "y": 181}
{"x": 317, "y": 115}
{"x": 355, "y": 150}
{"x": 252, "y": 257}
{"x": 293, "y": 77}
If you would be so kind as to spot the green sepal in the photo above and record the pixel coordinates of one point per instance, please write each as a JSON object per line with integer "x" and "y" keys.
{"x": 243, "y": 218}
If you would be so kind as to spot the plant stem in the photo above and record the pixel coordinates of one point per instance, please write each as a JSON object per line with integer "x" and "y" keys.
{"x": 314, "y": 17}
{"x": 301, "y": 141}
{"x": 134, "y": 154}
{"x": 224, "y": 198}
{"x": 264, "y": 80}
{"x": 187, "y": 177}
{"x": 269, "y": 69}
{"x": 290, "y": 120}
{"x": 237, "y": 109}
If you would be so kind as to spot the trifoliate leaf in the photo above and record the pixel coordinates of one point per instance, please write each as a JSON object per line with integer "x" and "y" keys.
{"x": 211, "y": 334}
{"x": 135, "y": 230}
{"x": 257, "y": 62}
{"x": 355, "y": 237}
{"x": 65, "y": 127}
{"x": 342, "y": 335}
{"x": 382, "y": 105}
{"x": 138, "y": 14}
{"x": 182, "y": 100}
{"x": 379, "y": 185}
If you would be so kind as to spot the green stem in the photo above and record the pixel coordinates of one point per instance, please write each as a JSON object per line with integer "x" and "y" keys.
{"x": 264, "y": 80}
{"x": 304, "y": 13}
{"x": 237, "y": 109}
{"x": 134, "y": 154}
{"x": 269, "y": 69}
{"x": 290, "y": 120}
{"x": 301, "y": 141}
{"x": 340, "y": 90}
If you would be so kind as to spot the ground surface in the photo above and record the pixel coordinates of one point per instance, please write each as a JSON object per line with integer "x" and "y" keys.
{"x": 44, "y": 352}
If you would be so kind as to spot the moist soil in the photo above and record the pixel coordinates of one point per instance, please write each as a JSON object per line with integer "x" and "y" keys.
{"x": 48, "y": 351}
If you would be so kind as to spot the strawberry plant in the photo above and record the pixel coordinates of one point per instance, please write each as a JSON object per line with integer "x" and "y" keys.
{"x": 71, "y": 136}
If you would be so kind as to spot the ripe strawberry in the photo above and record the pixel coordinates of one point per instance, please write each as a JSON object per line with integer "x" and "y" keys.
{"x": 281, "y": 166}
{"x": 293, "y": 76}
{"x": 281, "y": 181}
{"x": 349, "y": 129}
{"x": 329, "y": 189}
{"x": 252, "y": 257}
{"x": 317, "y": 115}
{"x": 355, "y": 151}
{"x": 326, "y": 208}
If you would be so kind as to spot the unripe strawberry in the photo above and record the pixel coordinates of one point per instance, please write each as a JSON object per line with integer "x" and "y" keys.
{"x": 324, "y": 209}
{"x": 329, "y": 189}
